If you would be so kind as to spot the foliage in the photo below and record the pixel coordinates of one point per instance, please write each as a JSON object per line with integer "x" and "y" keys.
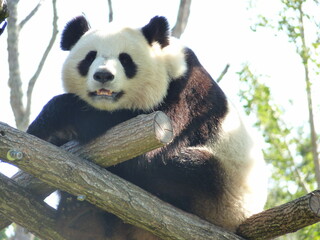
{"x": 3, "y": 235}
{"x": 287, "y": 150}
{"x": 291, "y": 152}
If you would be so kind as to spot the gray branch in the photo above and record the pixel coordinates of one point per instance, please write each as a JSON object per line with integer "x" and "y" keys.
{"x": 225, "y": 70}
{"x": 44, "y": 57}
{"x": 14, "y": 81}
{"x": 30, "y": 15}
{"x": 182, "y": 19}
{"x": 110, "y": 11}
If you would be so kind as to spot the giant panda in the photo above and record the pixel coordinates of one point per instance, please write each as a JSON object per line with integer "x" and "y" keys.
{"x": 213, "y": 168}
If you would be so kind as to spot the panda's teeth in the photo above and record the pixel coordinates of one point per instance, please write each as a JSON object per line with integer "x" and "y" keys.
{"x": 104, "y": 92}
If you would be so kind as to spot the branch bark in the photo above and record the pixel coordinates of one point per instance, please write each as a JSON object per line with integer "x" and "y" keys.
{"x": 69, "y": 173}
{"x": 286, "y": 218}
{"x": 23, "y": 208}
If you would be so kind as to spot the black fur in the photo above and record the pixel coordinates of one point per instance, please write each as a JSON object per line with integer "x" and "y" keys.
{"x": 130, "y": 68}
{"x": 73, "y": 32}
{"x": 84, "y": 65}
{"x": 157, "y": 30}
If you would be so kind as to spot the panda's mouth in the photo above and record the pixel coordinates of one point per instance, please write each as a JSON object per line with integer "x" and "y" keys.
{"x": 105, "y": 94}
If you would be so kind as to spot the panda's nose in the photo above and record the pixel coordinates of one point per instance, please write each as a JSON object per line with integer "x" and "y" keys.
{"x": 103, "y": 76}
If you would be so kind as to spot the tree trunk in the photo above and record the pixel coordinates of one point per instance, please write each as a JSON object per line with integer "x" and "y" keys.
{"x": 15, "y": 82}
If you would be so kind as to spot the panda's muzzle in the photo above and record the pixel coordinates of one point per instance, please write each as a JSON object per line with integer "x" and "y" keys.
{"x": 104, "y": 76}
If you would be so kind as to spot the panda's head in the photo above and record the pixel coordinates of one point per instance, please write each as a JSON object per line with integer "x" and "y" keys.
{"x": 121, "y": 68}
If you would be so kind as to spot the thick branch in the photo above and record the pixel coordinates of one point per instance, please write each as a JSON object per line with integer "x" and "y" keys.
{"x": 125, "y": 141}
{"x": 21, "y": 207}
{"x": 69, "y": 173}
{"x": 31, "y": 184}
{"x": 283, "y": 219}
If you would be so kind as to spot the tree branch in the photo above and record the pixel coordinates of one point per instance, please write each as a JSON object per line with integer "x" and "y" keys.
{"x": 31, "y": 184}
{"x": 30, "y": 15}
{"x": 286, "y": 218}
{"x": 43, "y": 59}
{"x": 182, "y": 19}
{"x": 225, "y": 70}
{"x": 21, "y": 207}
{"x": 69, "y": 173}
{"x": 14, "y": 81}
{"x": 124, "y": 141}
{"x": 110, "y": 11}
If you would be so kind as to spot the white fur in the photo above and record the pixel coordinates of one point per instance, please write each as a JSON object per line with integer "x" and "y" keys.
{"x": 239, "y": 153}
{"x": 156, "y": 67}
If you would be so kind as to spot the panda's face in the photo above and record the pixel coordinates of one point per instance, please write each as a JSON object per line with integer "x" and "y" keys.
{"x": 120, "y": 69}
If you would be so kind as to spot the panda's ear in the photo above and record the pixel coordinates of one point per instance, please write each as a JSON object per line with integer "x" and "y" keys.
{"x": 73, "y": 31}
{"x": 157, "y": 30}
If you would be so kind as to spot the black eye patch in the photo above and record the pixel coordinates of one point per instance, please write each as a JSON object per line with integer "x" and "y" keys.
{"x": 130, "y": 68}
{"x": 84, "y": 65}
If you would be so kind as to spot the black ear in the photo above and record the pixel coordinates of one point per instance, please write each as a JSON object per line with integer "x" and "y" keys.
{"x": 73, "y": 31}
{"x": 157, "y": 30}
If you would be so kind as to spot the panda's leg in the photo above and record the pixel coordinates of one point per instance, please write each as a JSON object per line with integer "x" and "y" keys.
{"x": 82, "y": 221}
{"x": 199, "y": 170}
{"x": 184, "y": 176}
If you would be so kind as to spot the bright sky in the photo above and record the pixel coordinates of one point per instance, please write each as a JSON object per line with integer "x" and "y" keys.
{"x": 218, "y": 31}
